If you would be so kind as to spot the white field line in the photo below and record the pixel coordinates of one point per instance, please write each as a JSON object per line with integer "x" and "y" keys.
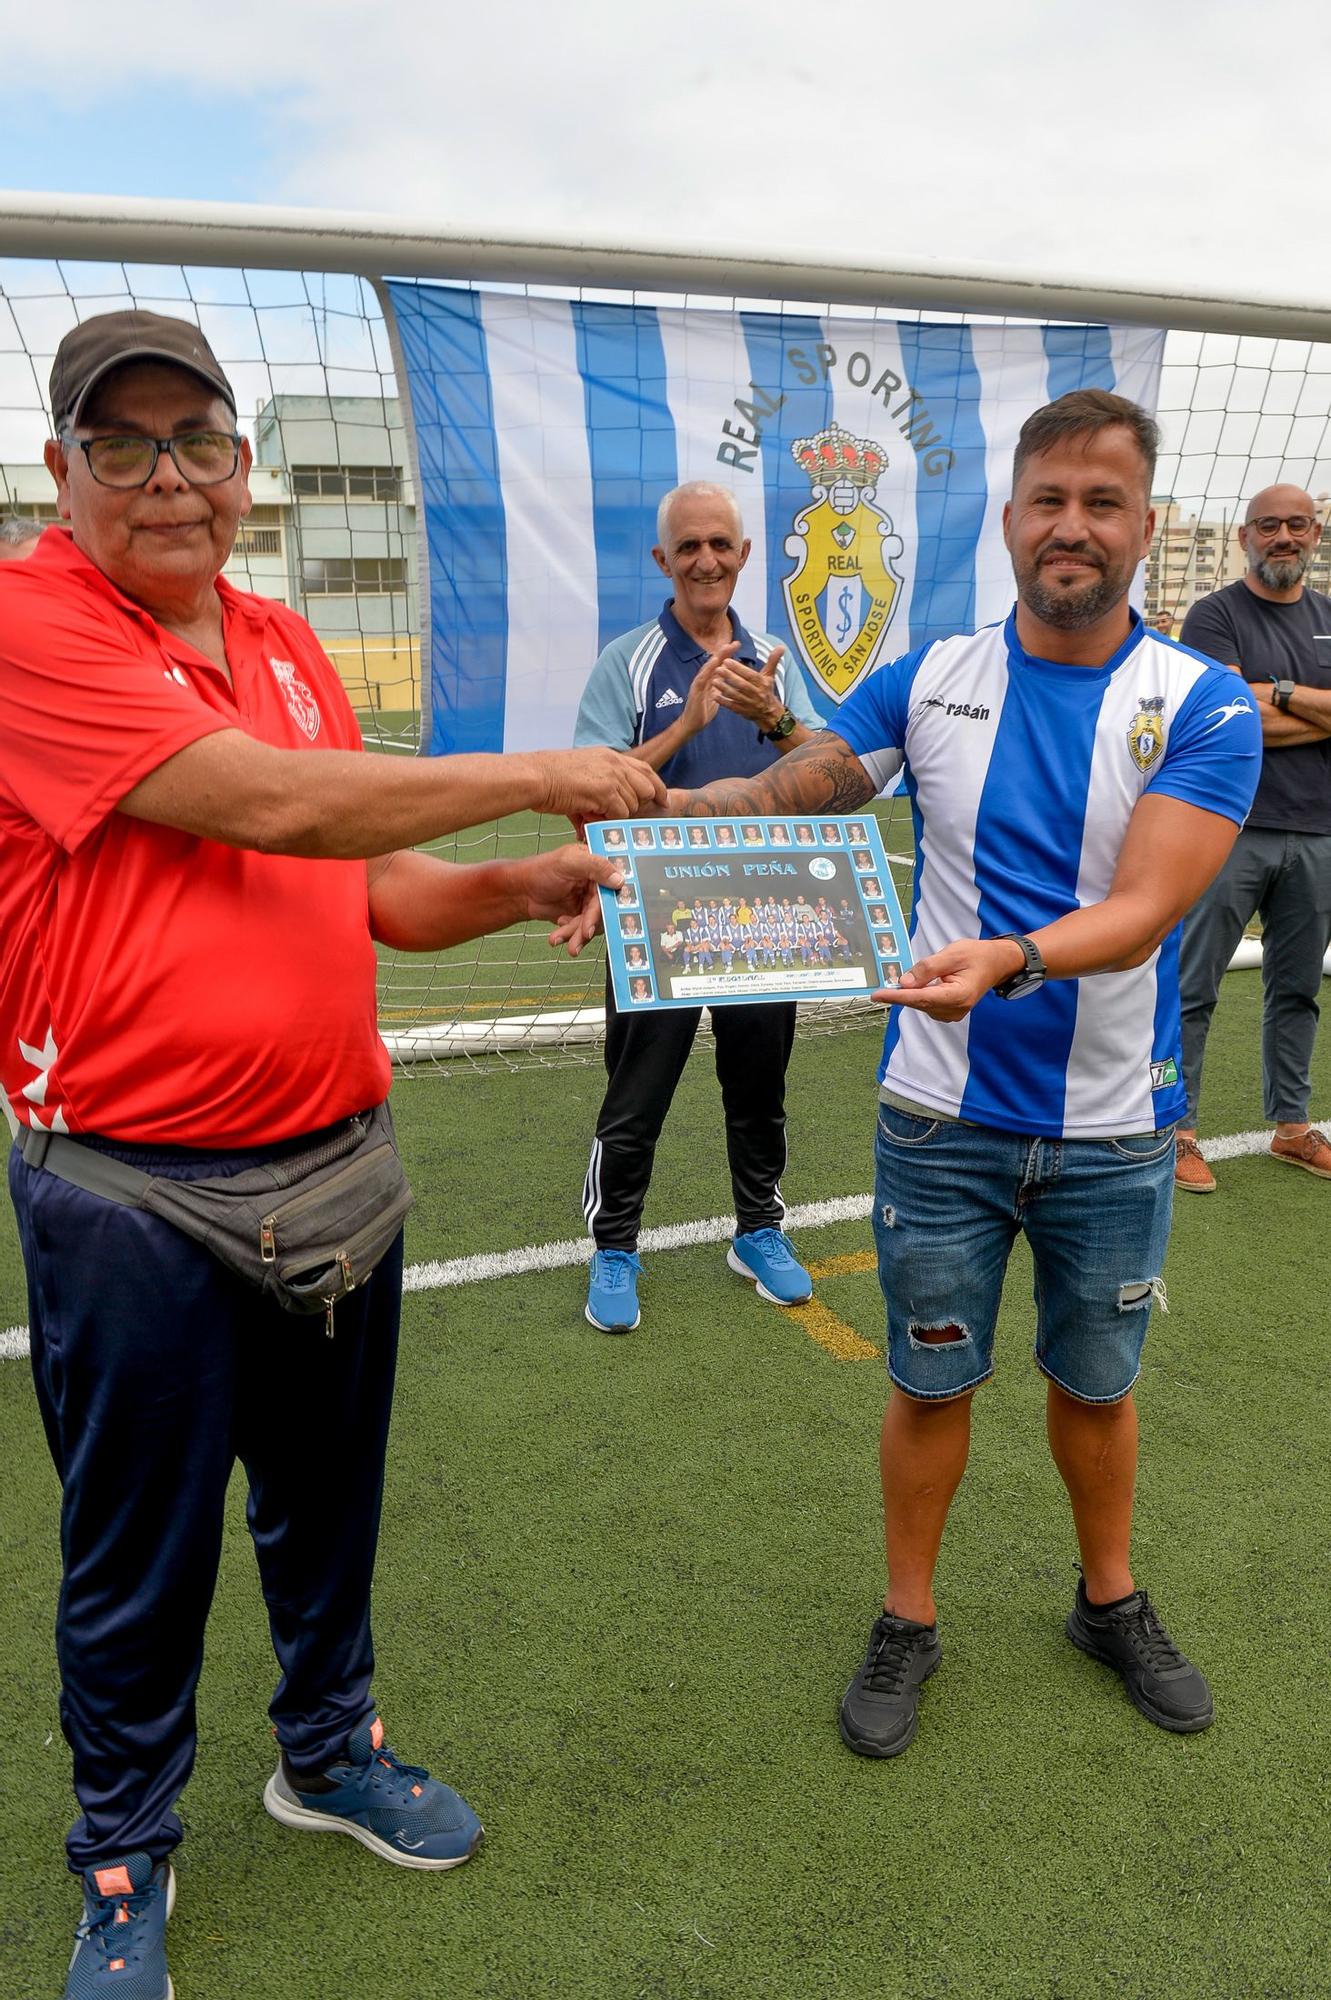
{"x": 578, "y": 1249}
{"x": 572, "y": 1250}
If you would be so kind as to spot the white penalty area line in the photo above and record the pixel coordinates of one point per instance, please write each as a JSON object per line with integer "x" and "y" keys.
{"x": 573, "y": 1250}
{"x": 578, "y": 1249}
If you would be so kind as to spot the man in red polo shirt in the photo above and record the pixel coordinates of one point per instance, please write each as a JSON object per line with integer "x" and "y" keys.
{"x": 195, "y": 861}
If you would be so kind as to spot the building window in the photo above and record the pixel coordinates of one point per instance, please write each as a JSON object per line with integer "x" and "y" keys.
{"x": 346, "y": 482}
{"x": 251, "y": 541}
{"x": 353, "y": 576}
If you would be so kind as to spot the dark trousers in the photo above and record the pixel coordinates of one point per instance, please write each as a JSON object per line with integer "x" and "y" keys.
{"x": 1287, "y": 877}
{"x": 645, "y": 1056}
{"x": 155, "y": 1370}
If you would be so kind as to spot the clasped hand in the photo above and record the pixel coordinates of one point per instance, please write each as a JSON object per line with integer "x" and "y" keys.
{"x": 596, "y": 784}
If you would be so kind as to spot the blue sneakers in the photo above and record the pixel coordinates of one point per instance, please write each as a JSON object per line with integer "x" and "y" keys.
{"x": 392, "y": 1808}
{"x": 120, "y": 1944}
{"x": 766, "y": 1259}
{"x": 612, "y": 1291}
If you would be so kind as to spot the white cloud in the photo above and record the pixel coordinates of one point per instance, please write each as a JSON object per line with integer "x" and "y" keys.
{"x": 1138, "y": 143}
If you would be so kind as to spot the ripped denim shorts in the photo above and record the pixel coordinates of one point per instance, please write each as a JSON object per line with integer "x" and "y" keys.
{"x": 950, "y": 1201}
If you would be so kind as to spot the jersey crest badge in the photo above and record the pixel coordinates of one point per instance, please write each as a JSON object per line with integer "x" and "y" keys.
{"x": 843, "y": 590}
{"x": 304, "y": 709}
{"x": 1146, "y": 732}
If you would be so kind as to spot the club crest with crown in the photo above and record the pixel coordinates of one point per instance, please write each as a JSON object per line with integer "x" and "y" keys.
{"x": 843, "y": 589}
{"x": 1146, "y": 732}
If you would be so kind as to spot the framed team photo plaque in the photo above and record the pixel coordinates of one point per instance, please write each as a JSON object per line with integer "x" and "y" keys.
{"x": 719, "y": 912}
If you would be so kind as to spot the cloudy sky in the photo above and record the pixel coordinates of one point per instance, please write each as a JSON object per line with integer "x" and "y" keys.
{"x": 1163, "y": 143}
{"x": 1166, "y": 146}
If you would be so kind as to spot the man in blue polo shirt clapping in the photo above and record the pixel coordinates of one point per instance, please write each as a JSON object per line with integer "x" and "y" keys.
{"x": 656, "y": 693}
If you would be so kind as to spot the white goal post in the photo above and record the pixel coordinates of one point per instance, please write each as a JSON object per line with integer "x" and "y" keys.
{"x": 96, "y": 229}
{"x": 289, "y": 299}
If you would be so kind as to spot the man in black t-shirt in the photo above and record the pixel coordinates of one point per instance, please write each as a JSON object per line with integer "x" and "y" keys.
{"x": 1277, "y": 634}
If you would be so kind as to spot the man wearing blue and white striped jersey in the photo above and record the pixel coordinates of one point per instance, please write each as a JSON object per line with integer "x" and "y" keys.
{"x": 657, "y": 693}
{"x": 1075, "y": 782}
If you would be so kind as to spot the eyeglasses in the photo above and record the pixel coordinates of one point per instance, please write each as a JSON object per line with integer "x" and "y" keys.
{"x": 204, "y": 458}
{"x": 1270, "y": 524}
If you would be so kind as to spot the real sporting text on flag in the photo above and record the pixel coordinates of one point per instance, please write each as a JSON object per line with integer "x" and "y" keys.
{"x": 871, "y": 458}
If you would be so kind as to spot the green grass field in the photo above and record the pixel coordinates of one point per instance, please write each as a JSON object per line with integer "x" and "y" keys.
{"x": 623, "y": 1583}
{"x": 512, "y": 972}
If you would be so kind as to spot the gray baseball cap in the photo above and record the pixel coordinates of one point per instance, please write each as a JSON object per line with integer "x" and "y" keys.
{"x": 90, "y": 351}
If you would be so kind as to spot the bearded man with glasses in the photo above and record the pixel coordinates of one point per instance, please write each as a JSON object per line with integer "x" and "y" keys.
{"x": 1276, "y": 632}
{"x": 195, "y": 863}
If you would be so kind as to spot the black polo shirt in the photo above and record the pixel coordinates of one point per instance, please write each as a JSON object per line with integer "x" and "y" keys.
{"x": 1275, "y": 642}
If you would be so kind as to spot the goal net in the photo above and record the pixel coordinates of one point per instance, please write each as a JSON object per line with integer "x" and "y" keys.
{"x": 336, "y": 526}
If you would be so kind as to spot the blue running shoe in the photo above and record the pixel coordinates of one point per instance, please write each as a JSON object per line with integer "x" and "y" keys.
{"x": 612, "y": 1291}
{"x": 120, "y": 1944}
{"x": 392, "y": 1808}
{"x": 766, "y": 1259}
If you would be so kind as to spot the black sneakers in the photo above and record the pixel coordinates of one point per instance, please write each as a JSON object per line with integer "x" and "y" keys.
{"x": 1129, "y": 1636}
{"x": 879, "y": 1710}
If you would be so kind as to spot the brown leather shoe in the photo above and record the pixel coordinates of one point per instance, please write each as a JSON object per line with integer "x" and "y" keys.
{"x": 1191, "y": 1173}
{"x": 1310, "y": 1150}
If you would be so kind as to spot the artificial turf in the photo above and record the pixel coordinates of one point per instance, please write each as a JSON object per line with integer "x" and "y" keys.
{"x": 623, "y": 1583}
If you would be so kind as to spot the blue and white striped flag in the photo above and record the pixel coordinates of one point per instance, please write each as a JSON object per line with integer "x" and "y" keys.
{"x": 871, "y": 459}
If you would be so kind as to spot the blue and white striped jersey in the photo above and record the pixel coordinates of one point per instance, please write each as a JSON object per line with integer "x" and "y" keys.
{"x": 641, "y": 682}
{"x": 1022, "y": 776}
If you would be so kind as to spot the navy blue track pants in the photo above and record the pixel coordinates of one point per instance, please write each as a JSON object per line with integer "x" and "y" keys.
{"x": 155, "y": 1370}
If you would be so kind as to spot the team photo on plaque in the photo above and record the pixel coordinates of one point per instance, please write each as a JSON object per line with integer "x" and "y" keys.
{"x": 716, "y": 912}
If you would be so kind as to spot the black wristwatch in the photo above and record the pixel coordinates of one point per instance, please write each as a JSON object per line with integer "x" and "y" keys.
{"x": 1030, "y": 977}
{"x": 785, "y": 725}
{"x": 1281, "y": 692}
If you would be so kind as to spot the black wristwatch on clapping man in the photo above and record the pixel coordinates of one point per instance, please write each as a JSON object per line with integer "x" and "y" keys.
{"x": 785, "y": 725}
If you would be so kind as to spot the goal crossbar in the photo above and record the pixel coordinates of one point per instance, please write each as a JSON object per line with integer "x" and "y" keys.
{"x": 101, "y": 229}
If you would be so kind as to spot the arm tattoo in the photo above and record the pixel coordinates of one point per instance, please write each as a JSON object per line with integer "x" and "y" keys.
{"x": 824, "y": 775}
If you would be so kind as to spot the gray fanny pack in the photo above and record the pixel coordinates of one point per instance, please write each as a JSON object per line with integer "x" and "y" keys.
{"x": 304, "y": 1229}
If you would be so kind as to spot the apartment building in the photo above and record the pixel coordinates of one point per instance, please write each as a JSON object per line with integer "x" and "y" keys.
{"x": 1191, "y": 555}
{"x": 332, "y": 532}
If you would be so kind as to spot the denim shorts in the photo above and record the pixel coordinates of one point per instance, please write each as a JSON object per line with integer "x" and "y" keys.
{"x": 950, "y": 1200}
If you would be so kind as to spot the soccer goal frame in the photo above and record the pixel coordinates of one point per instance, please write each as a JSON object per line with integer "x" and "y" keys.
{"x": 78, "y": 230}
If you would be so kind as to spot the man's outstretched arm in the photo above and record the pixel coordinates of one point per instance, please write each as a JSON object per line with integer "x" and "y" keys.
{"x": 1171, "y": 853}
{"x": 421, "y": 903}
{"x": 344, "y": 805}
{"x": 823, "y": 775}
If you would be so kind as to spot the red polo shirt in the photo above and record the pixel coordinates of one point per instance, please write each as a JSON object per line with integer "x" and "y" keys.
{"x": 155, "y": 986}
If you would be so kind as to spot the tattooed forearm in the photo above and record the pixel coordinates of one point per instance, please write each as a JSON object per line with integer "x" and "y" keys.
{"x": 823, "y": 775}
